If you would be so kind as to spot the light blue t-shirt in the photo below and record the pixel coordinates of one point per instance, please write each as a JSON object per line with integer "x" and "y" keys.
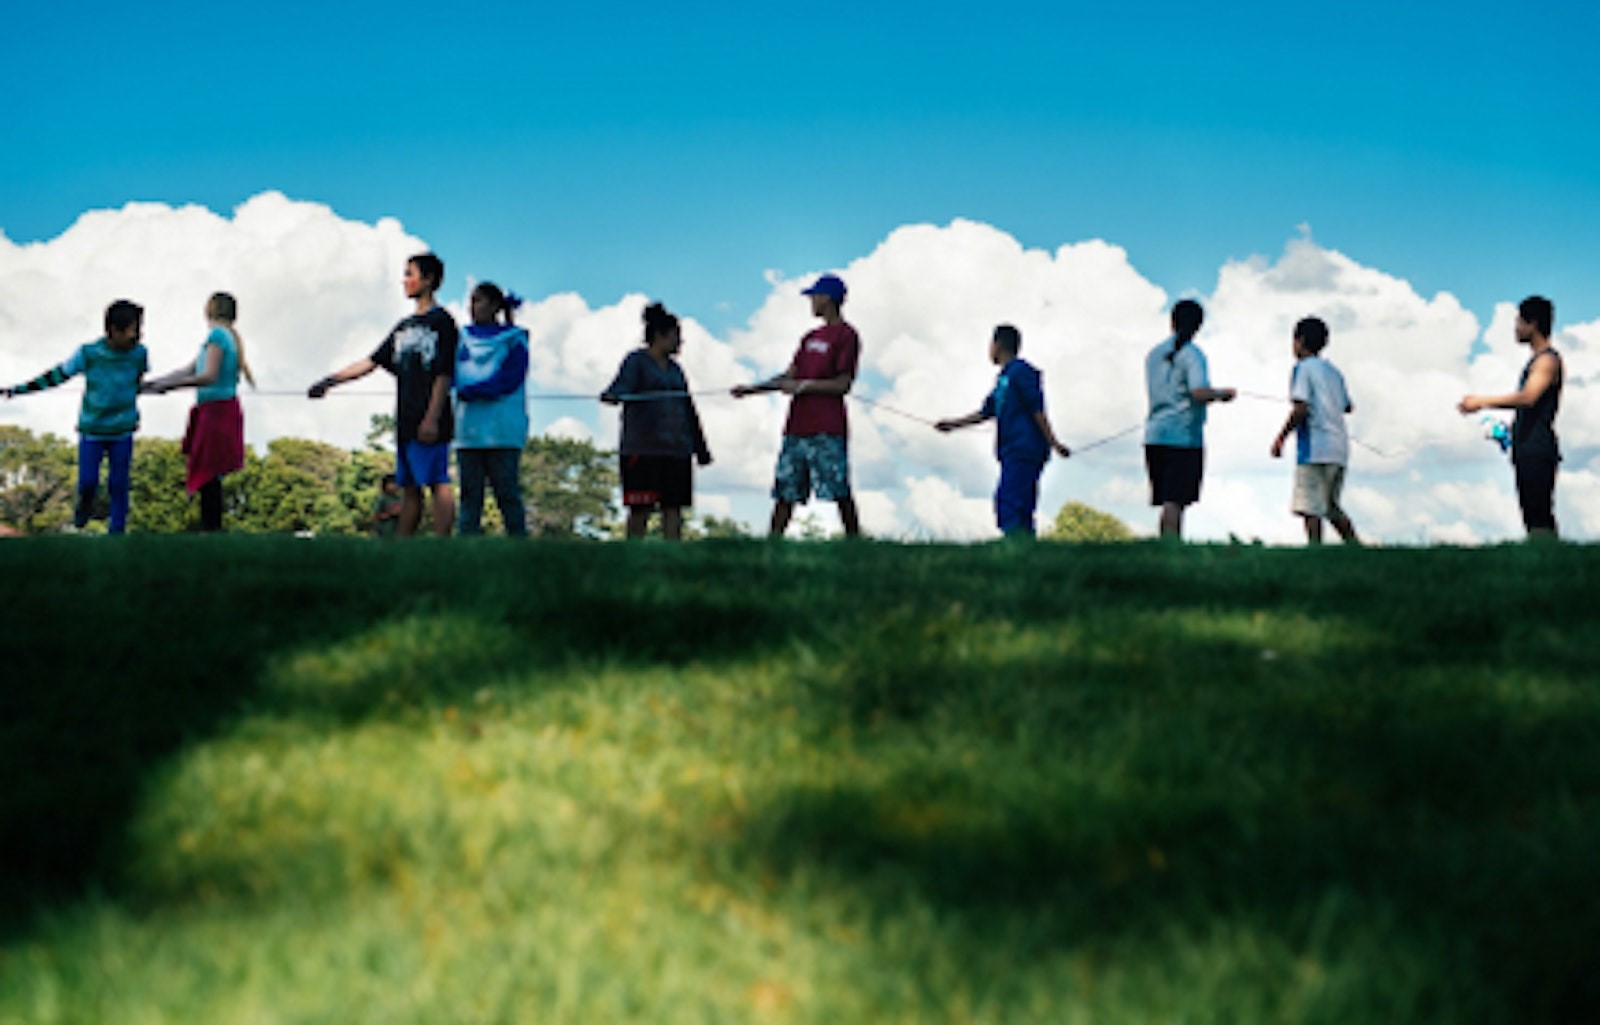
{"x": 226, "y": 385}
{"x": 110, "y": 406}
{"x": 1321, "y": 437}
{"x": 1176, "y": 419}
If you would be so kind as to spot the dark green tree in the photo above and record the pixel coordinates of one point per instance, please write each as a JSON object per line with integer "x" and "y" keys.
{"x": 714, "y": 528}
{"x": 295, "y": 488}
{"x": 158, "y": 503}
{"x": 569, "y": 487}
{"x": 38, "y": 480}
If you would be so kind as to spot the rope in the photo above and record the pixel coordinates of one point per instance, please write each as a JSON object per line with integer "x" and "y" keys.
{"x": 654, "y": 396}
{"x": 875, "y": 404}
{"x": 1108, "y": 439}
{"x": 1375, "y": 450}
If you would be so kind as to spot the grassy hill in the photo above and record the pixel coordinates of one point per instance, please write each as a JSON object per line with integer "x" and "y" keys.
{"x": 261, "y": 780}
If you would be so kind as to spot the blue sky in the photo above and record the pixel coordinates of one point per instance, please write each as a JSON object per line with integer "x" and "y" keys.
{"x": 680, "y": 150}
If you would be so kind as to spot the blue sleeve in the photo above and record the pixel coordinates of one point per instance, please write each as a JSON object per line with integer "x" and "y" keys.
{"x": 508, "y": 378}
{"x": 1031, "y": 394}
{"x": 76, "y": 364}
{"x": 988, "y": 405}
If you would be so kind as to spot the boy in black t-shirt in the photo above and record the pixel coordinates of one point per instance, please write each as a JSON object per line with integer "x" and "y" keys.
{"x": 421, "y": 353}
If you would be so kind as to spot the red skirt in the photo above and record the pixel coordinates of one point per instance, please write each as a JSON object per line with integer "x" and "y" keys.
{"x": 214, "y": 442}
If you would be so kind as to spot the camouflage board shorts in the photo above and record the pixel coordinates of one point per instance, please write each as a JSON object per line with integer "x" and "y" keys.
{"x": 817, "y": 463}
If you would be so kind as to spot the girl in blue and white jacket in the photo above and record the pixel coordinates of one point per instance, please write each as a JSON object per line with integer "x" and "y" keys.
{"x": 492, "y": 410}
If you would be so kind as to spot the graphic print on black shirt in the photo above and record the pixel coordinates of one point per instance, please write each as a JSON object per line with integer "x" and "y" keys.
{"x": 420, "y": 349}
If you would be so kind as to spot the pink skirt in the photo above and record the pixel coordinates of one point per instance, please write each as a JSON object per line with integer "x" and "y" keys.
{"x": 214, "y": 442}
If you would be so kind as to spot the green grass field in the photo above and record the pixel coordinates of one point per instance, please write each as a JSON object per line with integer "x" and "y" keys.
{"x": 276, "y": 781}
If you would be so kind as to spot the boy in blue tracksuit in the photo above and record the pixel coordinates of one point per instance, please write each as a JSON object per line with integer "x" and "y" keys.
{"x": 1024, "y": 438}
{"x": 113, "y": 369}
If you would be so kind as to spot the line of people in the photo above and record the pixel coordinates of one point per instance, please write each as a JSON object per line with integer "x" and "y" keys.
{"x": 467, "y": 392}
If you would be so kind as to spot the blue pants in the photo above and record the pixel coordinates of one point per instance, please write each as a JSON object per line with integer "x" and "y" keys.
{"x": 119, "y": 451}
{"x": 502, "y": 467}
{"x": 1017, "y": 495}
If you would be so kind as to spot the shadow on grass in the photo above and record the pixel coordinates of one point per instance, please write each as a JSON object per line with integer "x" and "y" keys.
{"x": 1118, "y": 786}
{"x": 126, "y": 653}
{"x": 1256, "y": 782}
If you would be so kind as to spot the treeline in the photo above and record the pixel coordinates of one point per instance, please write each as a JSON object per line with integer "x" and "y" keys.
{"x": 310, "y": 487}
{"x": 299, "y": 486}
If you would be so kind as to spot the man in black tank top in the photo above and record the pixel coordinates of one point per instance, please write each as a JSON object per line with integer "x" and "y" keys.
{"x": 1535, "y": 453}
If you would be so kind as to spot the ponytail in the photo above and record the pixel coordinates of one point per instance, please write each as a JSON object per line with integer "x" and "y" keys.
{"x": 1187, "y": 316}
{"x": 244, "y": 364}
{"x": 505, "y": 303}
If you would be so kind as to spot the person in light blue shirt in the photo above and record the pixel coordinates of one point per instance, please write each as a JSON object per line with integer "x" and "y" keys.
{"x": 1023, "y": 437}
{"x": 491, "y": 405}
{"x": 1322, "y": 451}
{"x": 113, "y": 369}
{"x": 1174, "y": 437}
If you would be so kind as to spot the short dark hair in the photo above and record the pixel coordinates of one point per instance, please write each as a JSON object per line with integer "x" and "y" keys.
{"x": 122, "y": 315}
{"x": 1008, "y": 338}
{"x": 1540, "y": 312}
{"x": 388, "y": 478}
{"x": 430, "y": 267}
{"x": 1312, "y": 333}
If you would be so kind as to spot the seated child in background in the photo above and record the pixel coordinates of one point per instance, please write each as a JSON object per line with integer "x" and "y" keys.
{"x": 386, "y": 510}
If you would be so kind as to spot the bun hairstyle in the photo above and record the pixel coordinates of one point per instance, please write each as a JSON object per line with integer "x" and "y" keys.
{"x": 1187, "y": 316}
{"x": 657, "y": 321}
{"x": 505, "y": 303}
{"x": 224, "y": 309}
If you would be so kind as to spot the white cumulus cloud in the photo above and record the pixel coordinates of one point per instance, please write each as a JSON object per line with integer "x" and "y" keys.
{"x": 317, "y": 290}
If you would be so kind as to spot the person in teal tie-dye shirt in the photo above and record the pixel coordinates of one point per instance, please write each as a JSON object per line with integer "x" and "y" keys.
{"x": 113, "y": 369}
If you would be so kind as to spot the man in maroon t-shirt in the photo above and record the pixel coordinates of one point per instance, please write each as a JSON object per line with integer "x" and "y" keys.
{"x": 815, "y": 456}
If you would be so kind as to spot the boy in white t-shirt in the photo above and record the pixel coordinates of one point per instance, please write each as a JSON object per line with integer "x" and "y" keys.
{"x": 1321, "y": 402}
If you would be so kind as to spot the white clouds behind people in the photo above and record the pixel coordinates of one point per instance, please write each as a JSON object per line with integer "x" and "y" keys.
{"x": 315, "y": 288}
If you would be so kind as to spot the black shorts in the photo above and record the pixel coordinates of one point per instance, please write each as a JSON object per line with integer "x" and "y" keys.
{"x": 1175, "y": 473}
{"x": 651, "y": 482}
{"x": 1536, "y": 491}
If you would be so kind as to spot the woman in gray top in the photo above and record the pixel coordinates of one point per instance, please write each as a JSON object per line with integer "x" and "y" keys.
{"x": 660, "y": 428}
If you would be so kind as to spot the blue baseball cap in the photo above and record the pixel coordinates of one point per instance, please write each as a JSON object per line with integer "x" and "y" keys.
{"x": 828, "y": 285}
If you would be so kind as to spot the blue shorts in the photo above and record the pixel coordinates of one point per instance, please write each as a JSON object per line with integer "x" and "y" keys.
{"x": 815, "y": 462}
{"x": 419, "y": 465}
